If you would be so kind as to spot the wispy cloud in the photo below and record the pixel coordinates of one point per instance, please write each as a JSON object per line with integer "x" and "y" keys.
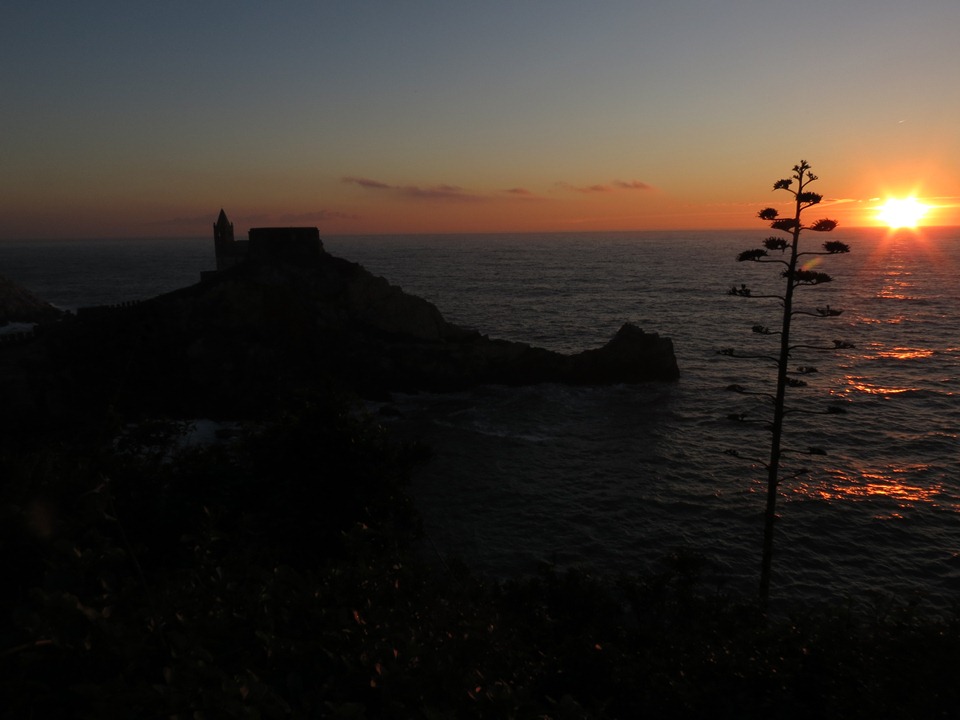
{"x": 632, "y": 185}
{"x": 945, "y": 201}
{"x": 585, "y": 189}
{"x": 456, "y": 193}
{"x": 613, "y": 186}
{"x": 843, "y": 201}
{"x": 523, "y": 194}
{"x": 367, "y": 183}
{"x": 441, "y": 193}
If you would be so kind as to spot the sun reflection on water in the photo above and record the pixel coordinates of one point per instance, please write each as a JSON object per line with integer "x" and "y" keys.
{"x": 859, "y": 384}
{"x": 905, "y": 353}
{"x": 889, "y": 484}
{"x": 894, "y": 288}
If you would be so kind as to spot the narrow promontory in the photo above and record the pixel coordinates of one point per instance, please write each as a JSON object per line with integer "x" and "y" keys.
{"x": 245, "y": 336}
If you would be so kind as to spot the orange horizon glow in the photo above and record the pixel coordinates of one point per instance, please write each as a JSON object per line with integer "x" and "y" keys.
{"x": 397, "y": 209}
{"x": 363, "y": 123}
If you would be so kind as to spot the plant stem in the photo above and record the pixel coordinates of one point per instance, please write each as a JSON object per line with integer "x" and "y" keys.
{"x": 773, "y": 467}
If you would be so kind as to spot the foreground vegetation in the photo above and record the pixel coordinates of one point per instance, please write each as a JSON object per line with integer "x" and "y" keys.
{"x": 275, "y": 574}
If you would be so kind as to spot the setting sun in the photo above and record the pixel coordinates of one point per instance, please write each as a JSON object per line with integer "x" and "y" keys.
{"x": 902, "y": 212}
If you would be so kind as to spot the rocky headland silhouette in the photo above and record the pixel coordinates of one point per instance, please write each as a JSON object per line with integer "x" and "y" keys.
{"x": 19, "y": 305}
{"x": 280, "y": 321}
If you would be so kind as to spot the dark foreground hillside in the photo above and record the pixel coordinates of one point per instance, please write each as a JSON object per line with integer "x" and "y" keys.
{"x": 277, "y": 574}
{"x": 277, "y": 569}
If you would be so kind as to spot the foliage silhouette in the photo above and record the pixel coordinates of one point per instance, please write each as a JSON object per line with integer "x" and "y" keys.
{"x": 794, "y": 276}
{"x": 239, "y": 608}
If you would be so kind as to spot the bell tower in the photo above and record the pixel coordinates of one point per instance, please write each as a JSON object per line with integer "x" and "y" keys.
{"x": 223, "y": 242}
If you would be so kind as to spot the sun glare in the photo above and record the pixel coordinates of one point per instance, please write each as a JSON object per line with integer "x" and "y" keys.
{"x": 902, "y": 212}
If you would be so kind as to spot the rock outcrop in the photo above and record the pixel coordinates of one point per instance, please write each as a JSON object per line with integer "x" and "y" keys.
{"x": 234, "y": 343}
{"x": 18, "y": 304}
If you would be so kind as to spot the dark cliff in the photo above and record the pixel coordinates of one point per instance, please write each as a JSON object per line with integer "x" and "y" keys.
{"x": 234, "y": 343}
{"x": 20, "y": 305}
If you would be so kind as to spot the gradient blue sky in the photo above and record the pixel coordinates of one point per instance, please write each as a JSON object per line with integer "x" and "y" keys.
{"x": 123, "y": 118}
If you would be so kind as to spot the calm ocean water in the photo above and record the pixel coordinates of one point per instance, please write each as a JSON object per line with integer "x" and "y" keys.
{"x": 614, "y": 478}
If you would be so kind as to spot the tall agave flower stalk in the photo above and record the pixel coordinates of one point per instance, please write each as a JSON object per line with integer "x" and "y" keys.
{"x": 785, "y": 250}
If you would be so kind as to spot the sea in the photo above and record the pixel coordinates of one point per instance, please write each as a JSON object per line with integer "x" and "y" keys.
{"x": 617, "y": 479}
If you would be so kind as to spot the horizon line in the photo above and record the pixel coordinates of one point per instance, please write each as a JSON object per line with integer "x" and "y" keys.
{"x": 87, "y": 238}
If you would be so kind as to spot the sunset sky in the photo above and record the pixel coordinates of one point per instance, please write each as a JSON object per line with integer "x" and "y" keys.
{"x": 144, "y": 119}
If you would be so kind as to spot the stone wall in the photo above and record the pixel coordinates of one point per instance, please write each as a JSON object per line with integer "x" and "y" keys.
{"x": 289, "y": 245}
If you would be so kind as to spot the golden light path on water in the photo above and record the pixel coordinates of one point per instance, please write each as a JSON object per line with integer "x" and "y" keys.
{"x": 860, "y": 384}
{"x": 897, "y": 283}
{"x": 894, "y": 488}
{"x": 888, "y": 482}
{"x": 905, "y": 353}
{"x": 846, "y": 485}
